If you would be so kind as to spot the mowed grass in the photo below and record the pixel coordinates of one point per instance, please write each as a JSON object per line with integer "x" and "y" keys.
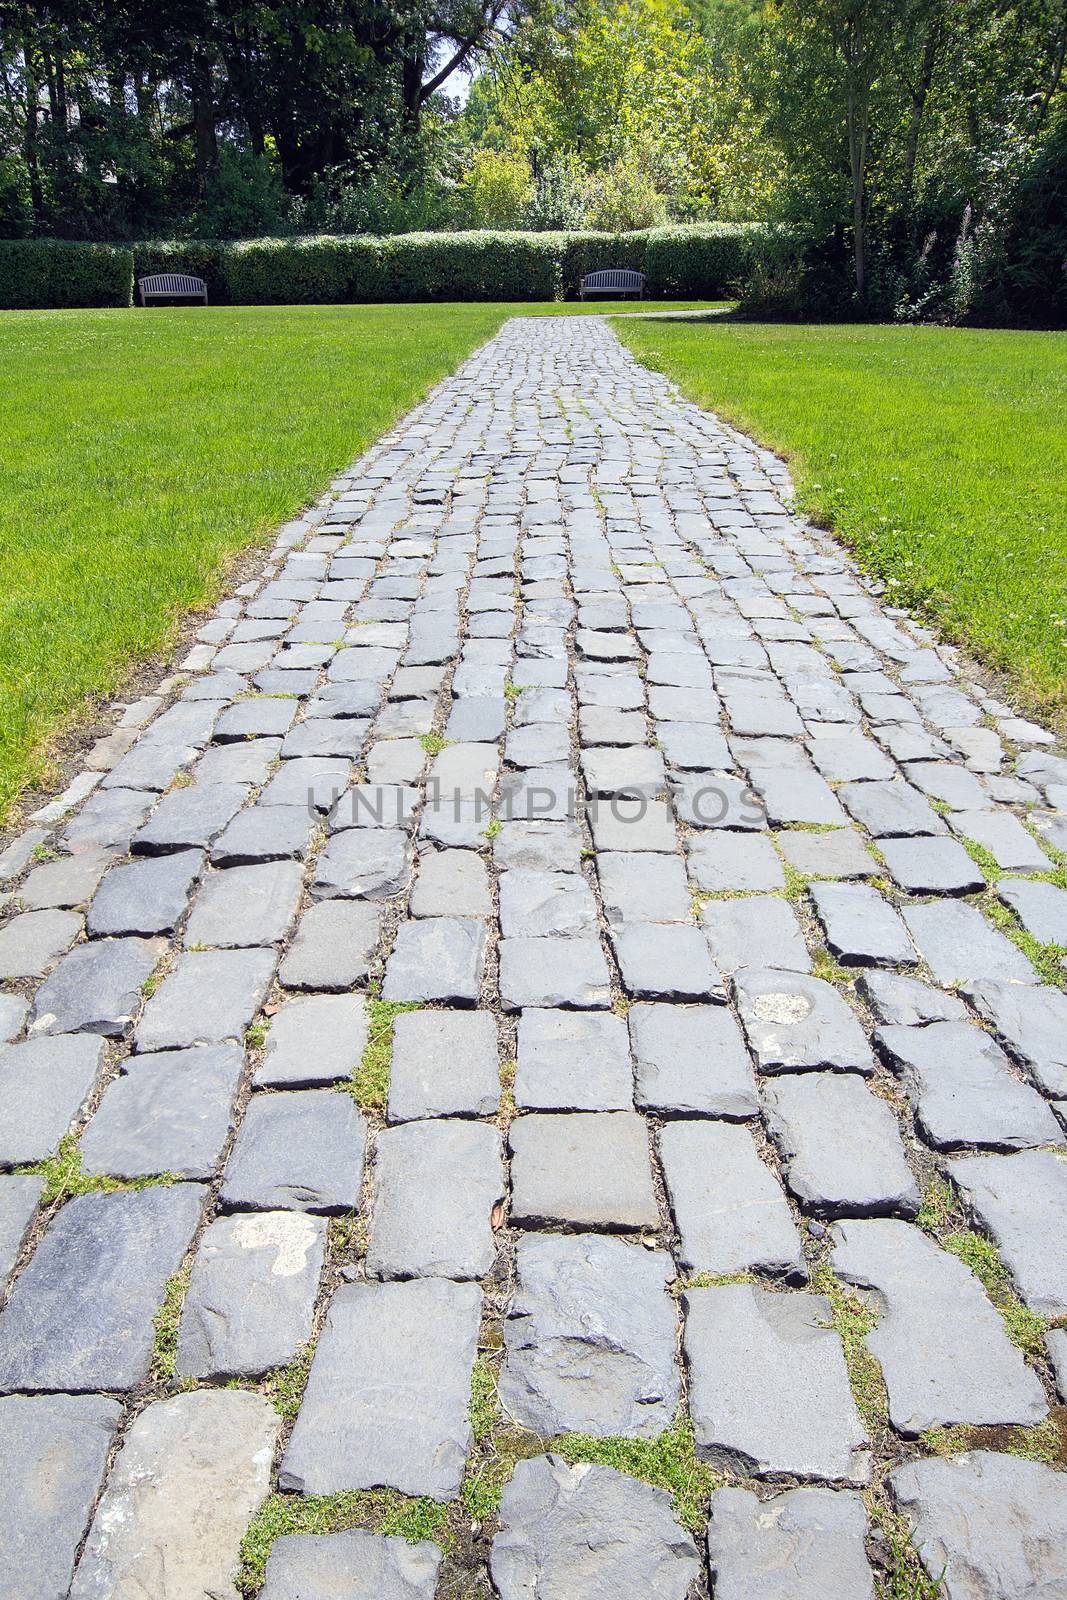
{"x": 940, "y": 455}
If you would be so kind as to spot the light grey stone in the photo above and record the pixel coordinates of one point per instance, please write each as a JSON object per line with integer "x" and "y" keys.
{"x": 44, "y": 1085}
{"x": 797, "y": 796}
{"x": 96, "y": 988}
{"x": 1003, "y": 835}
{"x": 1020, "y": 1202}
{"x": 298, "y": 1151}
{"x": 758, "y": 930}
{"x": 573, "y": 1061}
{"x": 932, "y": 866}
{"x": 590, "y": 1338}
{"x": 264, "y": 833}
{"x": 314, "y": 1041}
{"x": 436, "y": 1183}
{"x": 666, "y": 961}
{"x": 538, "y": 846}
{"x": 196, "y": 1461}
{"x": 32, "y": 943}
{"x": 840, "y": 1146}
{"x": 208, "y": 997}
{"x": 145, "y": 897}
{"x": 1031, "y": 1024}
{"x": 691, "y": 1061}
{"x": 895, "y": 998}
{"x": 590, "y": 1533}
{"x": 1040, "y": 907}
{"x": 588, "y": 1169}
{"x": 986, "y": 1525}
{"x": 768, "y": 1387}
{"x": 959, "y": 945}
{"x": 248, "y": 1309}
{"x": 18, "y": 1206}
{"x": 628, "y": 769}
{"x": 862, "y": 928}
{"x": 944, "y": 1350}
{"x": 451, "y": 883}
{"x": 839, "y": 853}
{"x": 242, "y": 906}
{"x": 805, "y": 1544}
{"x": 353, "y": 1565}
{"x": 386, "y": 1401}
{"x": 891, "y": 810}
{"x": 170, "y": 1113}
{"x": 70, "y": 881}
{"x": 724, "y": 861}
{"x": 546, "y": 905}
{"x": 314, "y": 782}
{"x": 14, "y": 1009}
{"x": 58, "y": 1445}
{"x": 637, "y": 824}
{"x": 959, "y": 1082}
{"x": 80, "y": 1314}
{"x": 796, "y": 1023}
{"x": 437, "y": 958}
{"x": 334, "y": 943}
{"x": 728, "y": 1206}
{"x": 445, "y": 1064}
{"x": 553, "y": 972}
{"x": 368, "y": 863}
{"x": 189, "y": 819}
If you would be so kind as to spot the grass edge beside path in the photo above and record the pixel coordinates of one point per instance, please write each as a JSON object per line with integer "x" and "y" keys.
{"x": 939, "y": 456}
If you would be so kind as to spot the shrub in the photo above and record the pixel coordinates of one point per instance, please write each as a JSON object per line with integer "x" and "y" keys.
{"x": 624, "y": 197}
{"x": 495, "y": 190}
{"x": 559, "y": 196}
{"x": 201, "y": 258}
{"x": 317, "y": 271}
{"x": 40, "y": 273}
{"x": 689, "y": 263}
{"x": 471, "y": 266}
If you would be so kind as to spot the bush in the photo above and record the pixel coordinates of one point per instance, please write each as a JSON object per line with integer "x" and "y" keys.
{"x": 495, "y": 190}
{"x": 692, "y": 263}
{"x": 201, "y": 258}
{"x": 319, "y": 271}
{"x": 472, "y": 266}
{"x": 39, "y": 273}
{"x": 624, "y": 198}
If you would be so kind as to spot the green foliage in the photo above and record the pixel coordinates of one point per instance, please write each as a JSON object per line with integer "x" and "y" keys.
{"x": 66, "y": 1179}
{"x": 715, "y": 258}
{"x": 382, "y": 1510}
{"x": 1025, "y": 1327}
{"x": 667, "y": 1462}
{"x": 495, "y": 190}
{"x": 165, "y": 1325}
{"x": 853, "y": 1319}
{"x": 470, "y": 266}
{"x": 285, "y": 1386}
{"x": 316, "y": 271}
{"x": 36, "y": 274}
{"x": 370, "y": 1080}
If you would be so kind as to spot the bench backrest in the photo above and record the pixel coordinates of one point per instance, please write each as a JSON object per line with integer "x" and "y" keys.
{"x": 614, "y": 278}
{"x": 171, "y": 283}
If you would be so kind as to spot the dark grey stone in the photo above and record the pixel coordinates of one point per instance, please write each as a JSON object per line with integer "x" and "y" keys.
{"x": 331, "y": 737}
{"x": 189, "y": 819}
{"x": 890, "y": 810}
{"x": 666, "y": 961}
{"x": 573, "y": 1061}
{"x": 795, "y": 1023}
{"x": 894, "y": 998}
{"x": 986, "y": 1525}
{"x": 797, "y": 796}
{"x": 257, "y": 717}
{"x": 33, "y": 942}
{"x": 248, "y": 763}
{"x": 590, "y": 1338}
{"x": 840, "y": 1146}
{"x": 691, "y": 1061}
{"x": 630, "y": 769}
{"x": 264, "y": 833}
{"x": 862, "y": 928}
{"x": 451, "y": 883}
{"x": 588, "y": 1169}
{"x": 436, "y": 1183}
{"x": 145, "y": 897}
{"x": 1032, "y": 1026}
{"x": 242, "y": 906}
{"x": 1020, "y": 1201}
{"x": 170, "y": 1112}
{"x": 314, "y": 782}
{"x": 932, "y": 866}
{"x": 538, "y": 846}
{"x": 333, "y": 946}
{"x": 726, "y": 861}
{"x": 59, "y": 1444}
{"x": 300, "y": 1151}
{"x": 757, "y": 930}
{"x": 353, "y": 1565}
{"x": 1003, "y": 835}
{"x": 70, "y": 881}
{"x": 643, "y": 887}
{"x": 80, "y": 1315}
{"x": 107, "y": 820}
{"x": 97, "y": 988}
{"x": 44, "y": 1085}
{"x": 18, "y": 1205}
{"x": 590, "y": 1533}
{"x": 248, "y": 1309}
{"x": 728, "y": 1206}
{"x": 805, "y": 1544}
{"x": 371, "y": 863}
{"x": 944, "y": 1351}
{"x": 438, "y": 958}
{"x": 958, "y": 944}
{"x": 315, "y": 1041}
{"x": 692, "y": 746}
{"x": 553, "y": 972}
{"x": 745, "y": 1347}
{"x": 209, "y": 996}
{"x": 386, "y": 1402}
{"x": 546, "y": 905}
{"x": 539, "y": 745}
{"x": 1040, "y": 907}
{"x": 445, "y": 1064}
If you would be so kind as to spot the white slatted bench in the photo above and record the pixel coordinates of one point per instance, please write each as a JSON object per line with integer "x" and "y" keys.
{"x": 613, "y": 281}
{"x": 171, "y": 286}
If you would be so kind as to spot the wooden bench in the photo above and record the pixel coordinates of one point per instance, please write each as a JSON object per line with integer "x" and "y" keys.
{"x": 171, "y": 286}
{"x": 613, "y": 281}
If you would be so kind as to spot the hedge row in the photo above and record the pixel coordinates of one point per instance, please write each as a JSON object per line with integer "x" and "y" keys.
{"x": 36, "y": 274}
{"x": 680, "y": 263}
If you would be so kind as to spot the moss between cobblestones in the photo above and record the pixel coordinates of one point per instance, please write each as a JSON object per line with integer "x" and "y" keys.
{"x": 1047, "y": 959}
{"x": 905, "y": 1576}
{"x": 1045, "y": 1443}
{"x": 852, "y": 1320}
{"x": 825, "y": 967}
{"x": 380, "y": 1510}
{"x": 667, "y": 1462}
{"x": 165, "y": 1323}
{"x": 65, "y": 1178}
{"x": 284, "y": 1387}
{"x": 369, "y": 1084}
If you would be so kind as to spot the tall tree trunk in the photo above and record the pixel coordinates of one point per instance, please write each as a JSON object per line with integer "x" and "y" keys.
{"x": 29, "y": 139}
{"x": 858, "y": 121}
{"x": 204, "y": 134}
{"x": 919, "y": 95}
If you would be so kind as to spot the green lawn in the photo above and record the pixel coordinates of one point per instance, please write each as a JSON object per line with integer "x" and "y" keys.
{"x": 939, "y": 454}
{"x": 140, "y": 450}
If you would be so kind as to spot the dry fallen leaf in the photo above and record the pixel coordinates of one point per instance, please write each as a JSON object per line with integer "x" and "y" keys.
{"x": 496, "y": 1216}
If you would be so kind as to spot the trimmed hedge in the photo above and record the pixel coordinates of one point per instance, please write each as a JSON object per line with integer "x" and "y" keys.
{"x": 698, "y": 262}
{"x": 38, "y": 274}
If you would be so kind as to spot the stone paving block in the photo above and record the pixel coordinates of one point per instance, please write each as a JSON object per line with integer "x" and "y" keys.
{"x": 60, "y": 1444}
{"x": 353, "y": 1565}
{"x": 892, "y": 810}
{"x": 1003, "y": 835}
{"x": 241, "y": 906}
{"x": 959, "y": 945}
{"x": 638, "y": 824}
{"x": 170, "y": 1112}
{"x": 14, "y": 1009}
{"x": 32, "y": 943}
{"x": 839, "y": 853}
{"x": 1031, "y": 1024}
{"x": 107, "y": 820}
{"x": 451, "y": 883}
{"x": 539, "y": 745}
{"x": 386, "y": 1401}
{"x": 728, "y": 1207}
{"x": 960, "y": 1084}
{"x": 207, "y": 997}
{"x": 666, "y": 961}
{"x": 97, "y": 988}
{"x": 724, "y": 861}
{"x": 298, "y": 1151}
{"x": 248, "y": 1308}
{"x": 314, "y": 782}
{"x": 1040, "y": 907}
{"x": 70, "y": 881}
{"x": 691, "y": 1061}
{"x": 80, "y": 1314}
{"x": 840, "y": 1146}
{"x": 590, "y": 1338}
{"x": 862, "y": 928}
{"x": 18, "y": 1206}
{"x": 333, "y": 946}
{"x": 709, "y": 800}
{"x": 254, "y": 718}
{"x": 436, "y": 1183}
{"x": 589, "y": 1169}
{"x": 986, "y": 1524}
{"x": 587, "y": 1532}
{"x": 643, "y": 887}
{"x": 633, "y": 769}
{"x": 894, "y": 998}
{"x": 546, "y": 905}
{"x": 145, "y": 897}
{"x": 44, "y": 1085}
{"x": 797, "y": 1023}
{"x": 944, "y": 1350}
{"x": 264, "y": 833}
{"x": 198, "y": 1461}
{"x": 312, "y": 1042}
{"x": 1020, "y": 1201}
{"x": 437, "y": 958}
{"x": 445, "y": 1064}
{"x": 849, "y": 758}
{"x": 553, "y": 972}
{"x": 573, "y": 1061}
{"x": 932, "y": 866}
{"x": 768, "y": 1388}
{"x": 368, "y": 863}
{"x": 760, "y": 929}
{"x": 805, "y": 1544}
{"x": 797, "y": 797}
{"x": 189, "y": 819}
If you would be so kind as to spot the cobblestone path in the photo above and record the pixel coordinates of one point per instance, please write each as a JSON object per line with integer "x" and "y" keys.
{"x": 393, "y": 1104}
